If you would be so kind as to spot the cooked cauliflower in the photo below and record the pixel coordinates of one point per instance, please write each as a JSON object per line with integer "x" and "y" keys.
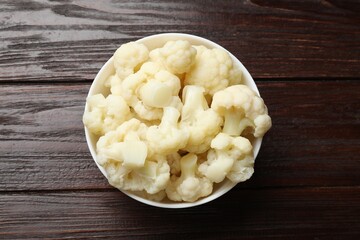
{"x": 125, "y": 144}
{"x": 228, "y": 157}
{"x": 213, "y": 70}
{"x": 128, "y": 57}
{"x": 202, "y": 122}
{"x": 242, "y": 169}
{"x": 105, "y": 114}
{"x": 189, "y": 186}
{"x": 112, "y": 82}
{"x": 174, "y": 163}
{"x": 176, "y": 56}
{"x": 168, "y": 137}
{"x": 153, "y": 177}
{"x": 235, "y": 76}
{"x": 124, "y": 155}
{"x": 241, "y": 108}
{"x": 161, "y": 90}
{"x": 157, "y": 197}
{"x": 149, "y": 90}
{"x": 157, "y": 135}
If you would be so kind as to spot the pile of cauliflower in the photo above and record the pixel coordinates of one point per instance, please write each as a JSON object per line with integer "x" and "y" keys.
{"x": 176, "y": 121}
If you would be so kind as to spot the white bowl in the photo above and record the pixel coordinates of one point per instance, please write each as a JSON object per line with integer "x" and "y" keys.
{"x": 152, "y": 42}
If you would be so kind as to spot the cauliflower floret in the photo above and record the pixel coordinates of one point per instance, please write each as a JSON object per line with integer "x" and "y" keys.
{"x": 228, "y": 157}
{"x": 235, "y": 76}
{"x": 241, "y": 108}
{"x": 132, "y": 152}
{"x": 176, "y": 56}
{"x": 188, "y": 187}
{"x": 155, "y": 93}
{"x": 105, "y": 114}
{"x": 242, "y": 169}
{"x": 126, "y": 144}
{"x": 213, "y": 70}
{"x": 124, "y": 155}
{"x": 168, "y": 137}
{"x": 112, "y": 82}
{"x": 153, "y": 177}
{"x": 149, "y": 90}
{"x": 128, "y": 57}
{"x": 157, "y": 197}
{"x": 131, "y": 84}
{"x": 202, "y": 122}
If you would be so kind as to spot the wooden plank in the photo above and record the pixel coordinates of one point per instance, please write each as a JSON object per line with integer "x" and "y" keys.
{"x": 42, "y": 140}
{"x": 315, "y": 139}
{"x": 71, "y": 40}
{"x": 300, "y": 213}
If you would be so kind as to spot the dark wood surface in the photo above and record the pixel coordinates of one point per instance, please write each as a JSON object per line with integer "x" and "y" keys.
{"x": 305, "y": 58}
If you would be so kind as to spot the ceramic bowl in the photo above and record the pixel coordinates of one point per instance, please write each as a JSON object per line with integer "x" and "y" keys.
{"x": 152, "y": 42}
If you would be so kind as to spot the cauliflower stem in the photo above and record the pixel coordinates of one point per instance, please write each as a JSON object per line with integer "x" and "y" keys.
{"x": 235, "y": 122}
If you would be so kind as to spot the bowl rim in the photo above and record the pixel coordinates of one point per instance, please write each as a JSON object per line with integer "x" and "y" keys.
{"x": 228, "y": 184}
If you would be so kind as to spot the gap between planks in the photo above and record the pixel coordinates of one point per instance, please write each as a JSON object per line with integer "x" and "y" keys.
{"x": 111, "y": 189}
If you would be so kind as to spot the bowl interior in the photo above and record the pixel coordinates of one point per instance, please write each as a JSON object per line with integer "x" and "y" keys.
{"x": 152, "y": 42}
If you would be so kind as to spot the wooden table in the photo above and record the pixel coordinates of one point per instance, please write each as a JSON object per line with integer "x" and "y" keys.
{"x": 305, "y": 58}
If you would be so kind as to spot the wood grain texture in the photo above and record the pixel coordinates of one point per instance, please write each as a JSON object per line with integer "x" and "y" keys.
{"x": 315, "y": 139}
{"x": 41, "y": 132}
{"x": 71, "y": 40}
{"x": 305, "y": 56}
{"x": 331, "y": 213}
